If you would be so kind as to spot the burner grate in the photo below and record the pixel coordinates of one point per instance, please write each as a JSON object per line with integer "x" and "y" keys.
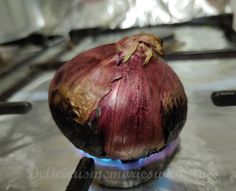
{"x": 224, "y": 98}
{"x": 14, "y": 107}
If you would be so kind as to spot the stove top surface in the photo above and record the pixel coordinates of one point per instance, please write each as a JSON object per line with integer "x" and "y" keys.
{"x": 36, "y": 156}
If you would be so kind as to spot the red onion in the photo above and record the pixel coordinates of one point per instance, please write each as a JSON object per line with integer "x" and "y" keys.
{"x": 119, "y": 100}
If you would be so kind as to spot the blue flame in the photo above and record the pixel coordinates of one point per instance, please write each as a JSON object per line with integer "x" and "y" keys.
{"x": 106, "y": 162}
{"x": 114, "y": 163}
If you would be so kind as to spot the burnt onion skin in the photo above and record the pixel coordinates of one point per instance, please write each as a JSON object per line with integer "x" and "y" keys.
{"x": 120, "y": 100}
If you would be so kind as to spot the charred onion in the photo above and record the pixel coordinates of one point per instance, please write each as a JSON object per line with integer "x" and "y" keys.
{"x": 120, "y": 100}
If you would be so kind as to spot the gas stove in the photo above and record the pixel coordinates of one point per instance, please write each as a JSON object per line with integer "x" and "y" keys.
{"x": 35, "y": 155}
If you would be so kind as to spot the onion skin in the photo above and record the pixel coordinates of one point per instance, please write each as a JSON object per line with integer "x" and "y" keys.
{"x": 120, "y": 100}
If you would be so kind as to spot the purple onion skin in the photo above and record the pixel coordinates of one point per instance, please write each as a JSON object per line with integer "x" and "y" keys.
{"x": 120, "y": 100}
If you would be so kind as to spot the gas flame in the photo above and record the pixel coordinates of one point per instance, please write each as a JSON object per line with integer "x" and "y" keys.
{"x": 106, "y": 162}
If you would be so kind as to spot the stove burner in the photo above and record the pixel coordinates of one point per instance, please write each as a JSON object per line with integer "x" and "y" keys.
{"x": 114, "y": 173}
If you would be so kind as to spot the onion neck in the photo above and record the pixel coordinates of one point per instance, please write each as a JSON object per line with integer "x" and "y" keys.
{"x": 150, "y": 45}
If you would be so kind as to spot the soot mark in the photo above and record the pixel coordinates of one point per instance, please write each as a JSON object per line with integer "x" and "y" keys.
{"x": 174, "y": 118}
{"x": 81, "y": 135}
